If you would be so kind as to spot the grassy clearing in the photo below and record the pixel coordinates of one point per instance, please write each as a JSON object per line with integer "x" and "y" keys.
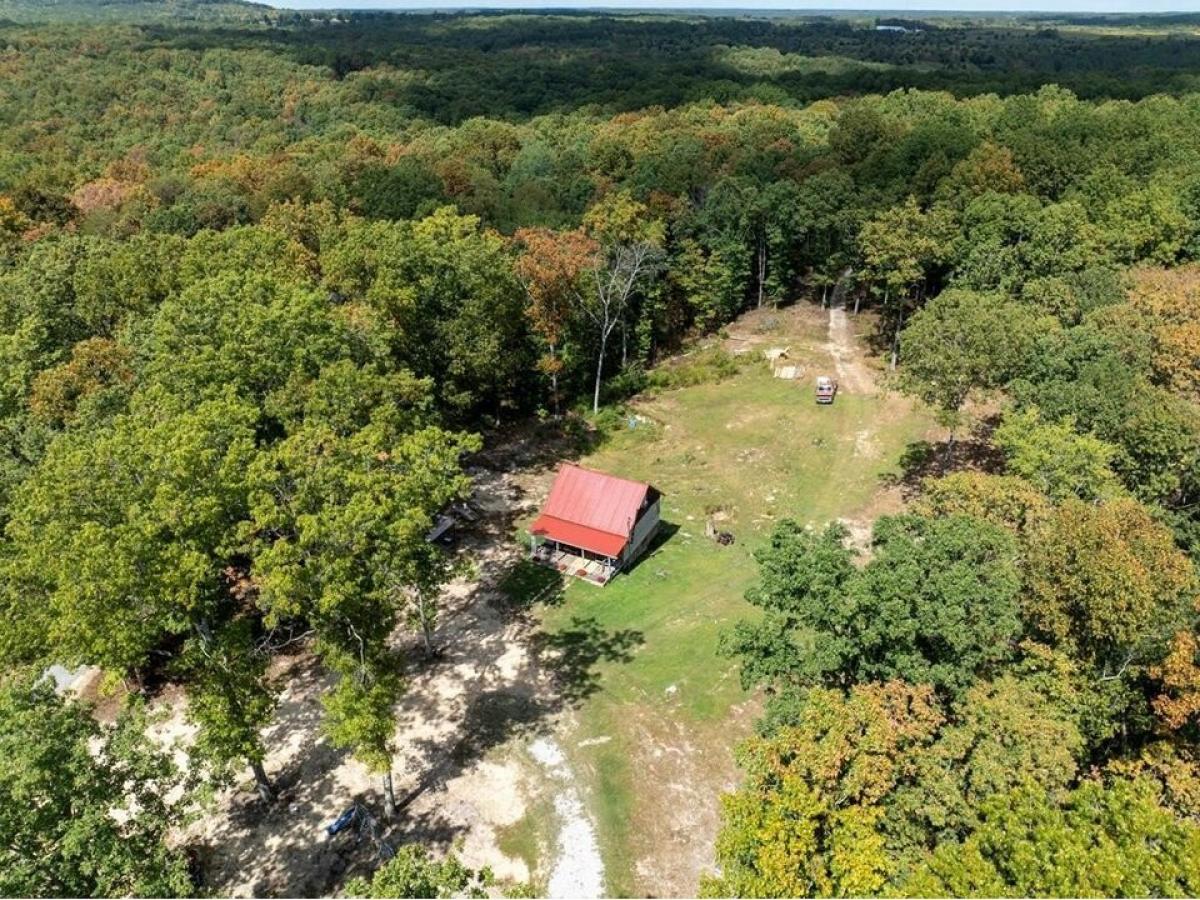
{"x": 757, "y": 449}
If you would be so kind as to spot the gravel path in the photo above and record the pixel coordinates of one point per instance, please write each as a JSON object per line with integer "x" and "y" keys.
{"x": 578, "y": 871}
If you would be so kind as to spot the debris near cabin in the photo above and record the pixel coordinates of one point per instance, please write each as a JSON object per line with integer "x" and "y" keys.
{"x": 781, "y": 363}
{"x": 724, "y": 538}
{"x": 455, "y": 516}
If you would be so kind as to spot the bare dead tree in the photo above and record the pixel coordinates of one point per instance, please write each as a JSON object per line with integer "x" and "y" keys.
{"x": 616, "y": 273}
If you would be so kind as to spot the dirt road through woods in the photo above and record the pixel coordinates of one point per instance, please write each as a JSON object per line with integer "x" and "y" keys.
{"x": 853, "y": 375}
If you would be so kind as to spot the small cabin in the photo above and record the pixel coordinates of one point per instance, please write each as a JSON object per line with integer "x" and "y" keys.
{"x": 594, "y": 524}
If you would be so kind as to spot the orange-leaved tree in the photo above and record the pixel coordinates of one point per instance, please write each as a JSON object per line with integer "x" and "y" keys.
{"x": 551, "y": 266}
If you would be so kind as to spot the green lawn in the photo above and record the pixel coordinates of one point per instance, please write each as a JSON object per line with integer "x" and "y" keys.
{"x": 759, "y": 449}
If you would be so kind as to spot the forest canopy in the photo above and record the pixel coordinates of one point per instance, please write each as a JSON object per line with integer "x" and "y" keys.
{"x": 268, "y": 280}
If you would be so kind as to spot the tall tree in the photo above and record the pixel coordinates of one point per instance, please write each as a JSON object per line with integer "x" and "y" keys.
{"x": 339, "y": 524}
{"x": 630, "y": 250}
{"x": 902, "y": 248}
{"x": 227, "y": 698}
{"x": 964, "y": 343}
{"x": 551, "y": 266}
{"x": 83, "y": 806}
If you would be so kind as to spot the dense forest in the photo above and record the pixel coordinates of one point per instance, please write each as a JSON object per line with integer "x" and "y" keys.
{"x": 268, "y": 278}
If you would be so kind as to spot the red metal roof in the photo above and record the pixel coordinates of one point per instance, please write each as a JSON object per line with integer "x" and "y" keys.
{"x": 579, "y": 536}
{"x": 591, "y": 510}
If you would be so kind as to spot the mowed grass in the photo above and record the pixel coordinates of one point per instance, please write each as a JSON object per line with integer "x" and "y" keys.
{"x": 758, "y": 449}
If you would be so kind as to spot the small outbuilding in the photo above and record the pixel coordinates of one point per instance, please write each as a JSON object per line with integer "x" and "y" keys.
{"x": 594, "y": 524}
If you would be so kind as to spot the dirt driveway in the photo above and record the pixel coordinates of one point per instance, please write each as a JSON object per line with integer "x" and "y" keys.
{"x": 854, "y": 376}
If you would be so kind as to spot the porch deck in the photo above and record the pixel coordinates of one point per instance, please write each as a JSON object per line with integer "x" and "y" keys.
{"x": 593, "y": 570}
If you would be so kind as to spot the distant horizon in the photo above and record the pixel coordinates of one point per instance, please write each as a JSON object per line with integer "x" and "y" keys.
{"x": 1100, "y": 7}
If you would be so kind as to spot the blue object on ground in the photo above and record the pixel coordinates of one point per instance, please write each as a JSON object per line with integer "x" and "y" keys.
{"x": 344, "y": 821}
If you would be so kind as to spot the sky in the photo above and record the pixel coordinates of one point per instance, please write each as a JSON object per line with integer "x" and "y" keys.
{"x": 1110, "y": 6}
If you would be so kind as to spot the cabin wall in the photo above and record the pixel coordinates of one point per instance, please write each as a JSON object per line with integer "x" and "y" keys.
{"x": 643, "y": 532}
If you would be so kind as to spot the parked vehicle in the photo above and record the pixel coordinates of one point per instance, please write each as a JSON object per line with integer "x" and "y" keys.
{"x": 826, "y": 389}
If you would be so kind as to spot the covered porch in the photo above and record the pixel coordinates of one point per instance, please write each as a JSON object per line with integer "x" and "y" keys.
{"x": 573, "y": 561}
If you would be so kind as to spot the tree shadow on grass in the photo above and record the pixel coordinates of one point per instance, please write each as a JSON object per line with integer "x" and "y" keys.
{"x": 571, "y": 655}
{"x": 932, "y": 459}
{"x": 528, "y": 583}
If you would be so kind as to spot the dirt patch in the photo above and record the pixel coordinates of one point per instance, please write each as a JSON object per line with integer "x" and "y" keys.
{"x": 760, "y": 329}
{"x": 683, "y": 771}
{"x": 251, "y": 849}
{"x": 865, "y": 444}
{"x": 888, "y": 501}
{"x": 459, "y": 779}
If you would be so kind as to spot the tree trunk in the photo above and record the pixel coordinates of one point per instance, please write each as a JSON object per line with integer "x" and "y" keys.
{"x": 947, "y": 457}
{"x": 266, "y": 790}
{"x": 896, "y": 340}
{"x": 624, "y": 346}
{"x": 824, "y": 296}
{"x": 762, "y": 271}
{"x": 857, "y": 301}
{"x": 599, "y": 373}
{"x": 554, "y": 380}
{"x": 389, "y": 796}
{"x": 427, "y": 636}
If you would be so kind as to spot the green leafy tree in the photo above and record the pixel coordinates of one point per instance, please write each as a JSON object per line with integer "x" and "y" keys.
{"x": 1055, "y": 458}
{"x": 120, "y": 540}
{"x": 800, "y": 572}
{"x": 13, "y": 223}
{"x": 360, "y": 710}
{"x": 709, "y": 282}
{"x": 338, "y": 525}
{"x": 962, "y": 344}
{"x": 936, "y": 604}
{"x": 901, "y": 249}
{"x": 82, "y": 804}
{"x": 446, "y": 303}
{"x": 1114, "y": 840}
{"x": 228, "y": 697}
{"x": 412, "y": 872}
